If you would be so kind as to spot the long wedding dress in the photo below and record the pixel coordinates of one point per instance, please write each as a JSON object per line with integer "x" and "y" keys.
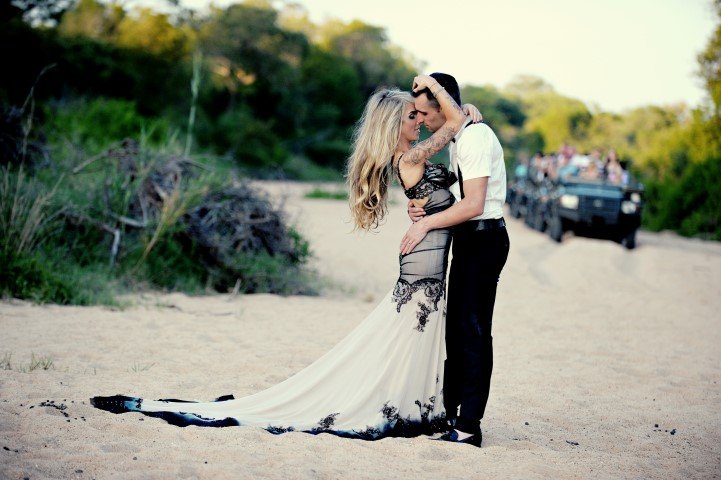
{"x": 384, "y": 379}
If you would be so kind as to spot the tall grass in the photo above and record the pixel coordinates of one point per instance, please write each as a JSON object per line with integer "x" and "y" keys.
{"x": 39, "y": 362}
{"x": 174, "y": 207}
{"x": 25, "y": 213}
{"x": 27, "y": 219}
{"x": 194, "y": 87}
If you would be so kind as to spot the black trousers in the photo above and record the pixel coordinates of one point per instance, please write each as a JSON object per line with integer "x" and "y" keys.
{"x": 478, "y": 258}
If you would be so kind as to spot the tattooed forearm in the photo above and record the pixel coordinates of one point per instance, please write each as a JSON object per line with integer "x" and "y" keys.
{"x": 430, "y": 146}
{"x": 454, "y": 117}
{"x": 446, "y": 96}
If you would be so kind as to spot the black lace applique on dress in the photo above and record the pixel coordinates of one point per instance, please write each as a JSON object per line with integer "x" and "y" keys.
{"x": 370, "y": 433}
{"x": 426, "y": 408}
{"x": 325, "y": 423}
{"x": 390, "y": 413}
{"x": 398, "y": 426}
{"x": 421, "y": 190}
{"x": 435, "y": 177}
{"x": 279, "y": 430}
{"x": 404, "y": 290}
{"x": 423, "y": 312}
{"x": 433, "y": 290}
{"x": 406, "y": 427}
{"x": 394, "y": 426}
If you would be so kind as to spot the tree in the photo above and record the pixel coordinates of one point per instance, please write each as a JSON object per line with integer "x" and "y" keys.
{"x": 257, "y": 61}
{"x": 92, "y": 19}
{"x": 153, "y": 32}
{"x": 502, "y": 113}
{"x": 366, "y": 47}
{"x": 294, "y": 18}
{"x": 333, "y": 102}
{"x": 710, "y": 64}
{"x": 557, "y": 119}
{"x": 497, "y": 109}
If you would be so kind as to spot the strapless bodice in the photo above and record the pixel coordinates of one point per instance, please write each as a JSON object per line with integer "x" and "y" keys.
{"x": 435, "y": 177}
{"x": 433, "y": 185}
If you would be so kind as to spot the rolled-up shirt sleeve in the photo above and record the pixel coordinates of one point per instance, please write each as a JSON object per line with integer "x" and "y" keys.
{"x": 475, "y": 149}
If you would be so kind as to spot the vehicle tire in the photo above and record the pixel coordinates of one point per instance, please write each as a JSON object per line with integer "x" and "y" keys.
{"x": 530, "y": 216}
{"x": 516, "y": 207}
{"x": 629, "y": 241}
{"x": 555, "y": 228}
{"x": 539, "y": 223}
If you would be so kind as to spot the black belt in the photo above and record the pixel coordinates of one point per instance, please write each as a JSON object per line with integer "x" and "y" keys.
{"x": 480, "y": 225}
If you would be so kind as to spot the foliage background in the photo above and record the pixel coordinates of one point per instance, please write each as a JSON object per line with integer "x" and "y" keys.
{"x": 277, "y": 97}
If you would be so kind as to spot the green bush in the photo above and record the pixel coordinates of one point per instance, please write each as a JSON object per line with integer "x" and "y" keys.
{"x": 690, "y": 204}
{"x": 300, "y": 168}
{"x": 250, "y": 141}
{"x": 99, "y": 122}
{"x": 172, "y": 265}
{"x": 33, "y": 261}
{"x": 331, "y": 153}
{"x": 44, "y": 279}
{"x": 264, "y": 273}
{"x": 24, "y": 276}
{"x": 325, "y": 194}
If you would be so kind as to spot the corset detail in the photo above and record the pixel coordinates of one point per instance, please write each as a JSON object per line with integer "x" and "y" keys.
{"x": 435, "y": 177}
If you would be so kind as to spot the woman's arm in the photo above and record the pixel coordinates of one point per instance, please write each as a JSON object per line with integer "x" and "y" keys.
{"x": 471, "y": 111}
{"x": 454, "y": 121}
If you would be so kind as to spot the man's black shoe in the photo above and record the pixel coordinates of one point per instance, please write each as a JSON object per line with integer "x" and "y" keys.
{"x": 452, "y": 436}
{"x": 450, "y": 424}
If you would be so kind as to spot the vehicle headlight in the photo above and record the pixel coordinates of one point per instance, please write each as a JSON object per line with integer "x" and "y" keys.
{"x": 628, "y": 207}
{"x": 569, "y": 201}
{"x": 635, "y": 197}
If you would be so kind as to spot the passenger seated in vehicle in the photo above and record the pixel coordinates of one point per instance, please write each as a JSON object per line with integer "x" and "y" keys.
{"x": 591, "y": 172}
{"x": 565, "y": 169}
{"x": 537, "y": 170}
{"x": 614, "y": 171}
{"x": 596, "y": 157}
{"x": 521, "y": 171}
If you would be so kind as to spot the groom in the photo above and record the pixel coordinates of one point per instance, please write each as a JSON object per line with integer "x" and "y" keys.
{"x": 480, "y": 249}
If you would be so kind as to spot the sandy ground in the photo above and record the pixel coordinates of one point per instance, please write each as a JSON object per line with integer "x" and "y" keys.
{"x": 607, "y": 365}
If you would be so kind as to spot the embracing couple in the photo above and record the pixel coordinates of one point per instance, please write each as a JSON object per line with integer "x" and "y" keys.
{"x": 411, "y": 367}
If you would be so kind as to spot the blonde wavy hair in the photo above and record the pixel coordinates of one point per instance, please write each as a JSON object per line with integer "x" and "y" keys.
{"x": 369, "y": 168}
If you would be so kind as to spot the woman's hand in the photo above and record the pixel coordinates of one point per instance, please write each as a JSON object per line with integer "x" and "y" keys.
{"x": 423, "y": 81}
{"x": 413, "y": 237}
{"x": 472, "y": 112}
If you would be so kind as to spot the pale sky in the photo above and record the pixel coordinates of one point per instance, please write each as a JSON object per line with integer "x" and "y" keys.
{"x": 616, "y": 54}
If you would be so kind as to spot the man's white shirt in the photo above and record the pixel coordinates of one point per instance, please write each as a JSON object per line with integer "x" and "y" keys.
{"x": 478, "y": 153}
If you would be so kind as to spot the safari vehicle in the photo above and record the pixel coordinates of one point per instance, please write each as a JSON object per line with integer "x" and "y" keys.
{"x": 594, "y": 208}
{"x": 517, "y": 196}
{"x": 537, "y": 204}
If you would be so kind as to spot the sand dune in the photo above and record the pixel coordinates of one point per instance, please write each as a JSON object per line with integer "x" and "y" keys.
{"x": 607, "y": 366}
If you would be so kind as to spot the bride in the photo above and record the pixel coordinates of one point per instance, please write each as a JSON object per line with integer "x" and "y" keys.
{"x": 385, "y": 378}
